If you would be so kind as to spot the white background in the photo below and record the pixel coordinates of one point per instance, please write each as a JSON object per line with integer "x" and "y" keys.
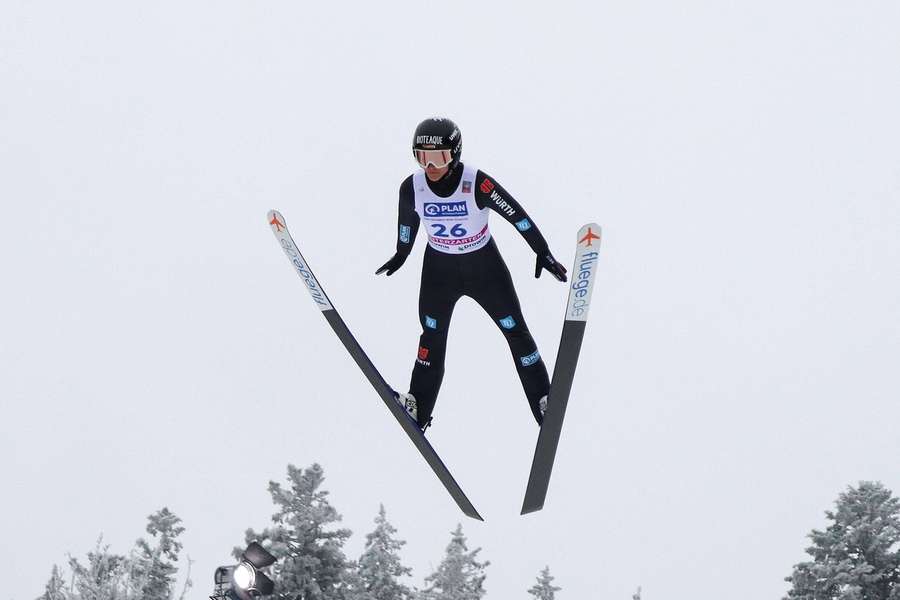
{"x": 739, "y": 369}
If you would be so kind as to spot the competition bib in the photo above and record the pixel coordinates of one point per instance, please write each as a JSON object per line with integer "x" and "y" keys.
{"x": 455, "y": 224}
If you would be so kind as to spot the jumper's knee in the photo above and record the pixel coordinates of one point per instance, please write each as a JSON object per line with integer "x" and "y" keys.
{"x": 432, "y": 324}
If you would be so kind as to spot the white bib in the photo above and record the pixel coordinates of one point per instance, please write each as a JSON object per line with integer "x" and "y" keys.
{"x": 455, "y": 224}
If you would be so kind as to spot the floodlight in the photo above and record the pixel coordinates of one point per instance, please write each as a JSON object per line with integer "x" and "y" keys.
{"x": 244, "y": 575}
{"x": 258, "y": 556}
{"x": 245, "y": 581}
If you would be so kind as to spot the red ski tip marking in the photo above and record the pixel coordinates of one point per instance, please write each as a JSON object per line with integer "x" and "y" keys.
{"x": 276, "y": 223}
{"x": 589, "y": 237}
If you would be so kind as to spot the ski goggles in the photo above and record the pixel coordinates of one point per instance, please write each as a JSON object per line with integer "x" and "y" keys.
{"x": 436, "y": 158}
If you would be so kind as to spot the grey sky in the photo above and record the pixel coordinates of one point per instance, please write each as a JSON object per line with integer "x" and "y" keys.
{"x": 738, "y": 371}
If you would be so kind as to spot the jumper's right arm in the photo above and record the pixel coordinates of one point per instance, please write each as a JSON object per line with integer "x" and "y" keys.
{"x": 407, "y": 228}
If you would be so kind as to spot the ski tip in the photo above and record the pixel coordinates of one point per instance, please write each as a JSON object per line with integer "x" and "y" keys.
{"x": 589, "y": 235}
{"x": 276, "y": 221}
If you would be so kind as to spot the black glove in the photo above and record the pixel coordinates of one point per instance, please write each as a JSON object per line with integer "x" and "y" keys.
{"x": 392, "y": 265}
{"x": 546, "y": 261}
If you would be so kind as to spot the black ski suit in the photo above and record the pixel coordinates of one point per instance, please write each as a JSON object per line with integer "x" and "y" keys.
{"x": 483, "y": 276}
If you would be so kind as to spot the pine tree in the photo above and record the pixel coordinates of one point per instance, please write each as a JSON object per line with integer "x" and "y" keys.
{"x": 544, "y": 588}
{"x": 459, "y": 576}
{"x": 56, "y": 587}
{"x": 858, "y": 556}
{"x": 311, "y": 563}
{"x": 152, "y": 570}
{"x": 352, "y": 586}
{"x": 380, "y": 565}
{"x": 103, "y": 578}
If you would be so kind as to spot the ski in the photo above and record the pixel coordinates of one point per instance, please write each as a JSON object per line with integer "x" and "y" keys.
{"x": 279, "y": 228}
{"x": 582, "y": 283}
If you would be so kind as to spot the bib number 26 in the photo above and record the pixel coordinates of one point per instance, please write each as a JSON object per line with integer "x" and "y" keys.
{"x": 456, "y": 231}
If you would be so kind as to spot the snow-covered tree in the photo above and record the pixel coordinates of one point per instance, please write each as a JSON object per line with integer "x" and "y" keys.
{"x": 459, "y": 576}
{"x": 311, "y": 564}
{"x": 380, "y": 566}
{"x": 152, "y": 567}
{"x": 103, "y": 578}
{"x": 352, "y": 586}
{"x": 56, "y": 587}
{"x": 148, "y": 573}
{"x": 544, "y": 588}
{"x": 858, "y": 556}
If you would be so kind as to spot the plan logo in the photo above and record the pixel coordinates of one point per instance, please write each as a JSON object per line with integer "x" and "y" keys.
{"x": 531, "y": 359}
{"x": 507, "y": 322}
{"x": 446, "y": 209}
{"x": 486, "y": 186}
{"x": 523, "y": 225}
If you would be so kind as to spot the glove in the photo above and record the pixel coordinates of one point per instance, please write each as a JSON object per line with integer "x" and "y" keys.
{"x": 392, "y": 265}
{"x": 546, "y": 261}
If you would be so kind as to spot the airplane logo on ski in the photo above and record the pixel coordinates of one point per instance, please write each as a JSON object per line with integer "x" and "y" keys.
{"x": 589, "y": 238}
{"x": 278, "y": 225}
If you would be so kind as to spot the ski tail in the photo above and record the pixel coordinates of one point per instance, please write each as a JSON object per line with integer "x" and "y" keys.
{"x": 579, "y": 303}
{"x": 279, "y": 228}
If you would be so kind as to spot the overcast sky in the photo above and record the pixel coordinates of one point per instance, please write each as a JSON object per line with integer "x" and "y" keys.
{"x": 740, "y": 365}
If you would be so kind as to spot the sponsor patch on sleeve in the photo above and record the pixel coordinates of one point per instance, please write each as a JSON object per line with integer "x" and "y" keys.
{"x": 523, "y": 225}
{"x": 508, "y": 322}
{"x": 531, "y": 359}
{"x": 404, "y": 234}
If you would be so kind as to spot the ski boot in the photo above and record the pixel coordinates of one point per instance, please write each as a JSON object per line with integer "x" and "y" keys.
{"x": 542, "y": 406}
{"x": 408, "y": 402}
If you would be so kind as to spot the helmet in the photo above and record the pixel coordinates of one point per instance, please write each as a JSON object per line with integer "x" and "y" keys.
{"x": 437, "y": 141}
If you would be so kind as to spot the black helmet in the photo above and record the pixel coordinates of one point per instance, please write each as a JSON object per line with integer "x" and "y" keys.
{"x": 437, "y": 134}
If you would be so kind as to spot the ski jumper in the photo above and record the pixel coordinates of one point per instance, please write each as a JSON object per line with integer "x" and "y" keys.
{"x": 462, "y": 259}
